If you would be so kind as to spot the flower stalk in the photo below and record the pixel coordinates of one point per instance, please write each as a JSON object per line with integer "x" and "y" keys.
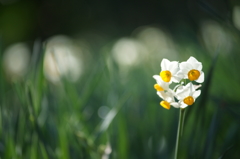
{"x": 179, "y": 132}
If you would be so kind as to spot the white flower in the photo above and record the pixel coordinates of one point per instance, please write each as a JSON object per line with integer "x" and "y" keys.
{"x": 187, "y": 95}
{"x": 62, "y": 59}
{"x": 181, "y": 95}
{"x": 169, "y": 71}
{"x": 161, "y": 85}
{"x": 192, "y": 70}
{"x": 168, "y": 99}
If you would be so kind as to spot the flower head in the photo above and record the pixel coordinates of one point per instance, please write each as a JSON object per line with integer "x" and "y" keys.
{"x": 187, "y": 95}
{"x": 183, "y": 94}
{"x": 168, "y": 99}
{"x": 169, "y": 71}
{"x": 192, "y": 70}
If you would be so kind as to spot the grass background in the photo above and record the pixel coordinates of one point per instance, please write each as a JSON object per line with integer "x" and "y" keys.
{"x": 42, "y": 119}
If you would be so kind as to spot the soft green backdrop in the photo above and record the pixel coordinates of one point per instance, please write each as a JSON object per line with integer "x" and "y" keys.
{"x": 100, "y": 102}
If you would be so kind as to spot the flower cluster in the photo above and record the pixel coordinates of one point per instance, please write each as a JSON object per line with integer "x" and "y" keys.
{"x": 183, "y": 74}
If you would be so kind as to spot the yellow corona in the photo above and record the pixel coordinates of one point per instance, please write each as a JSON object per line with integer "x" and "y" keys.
{"x": 158, "y": 87}
{"x": 193, "y": 75}
{"x": 188, "y": 100}
{"x": 165, "y": 104}
{"x": 166, "y": 76}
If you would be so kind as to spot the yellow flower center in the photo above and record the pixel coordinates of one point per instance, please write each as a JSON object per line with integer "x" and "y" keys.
{"x": 166, "y": 76}
{"x": 165, "y": 104}
{"x": 193, "y": 75}
{"x": 158, "y": 87}
{"x": 188, "y": 100}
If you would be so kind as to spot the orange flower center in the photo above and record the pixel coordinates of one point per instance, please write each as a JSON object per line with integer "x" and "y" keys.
{"x": 165, "y": 104}
{"x": 193, "y": 75}
{"x": 188, "y": 100}
{"x": 158, "y": 87}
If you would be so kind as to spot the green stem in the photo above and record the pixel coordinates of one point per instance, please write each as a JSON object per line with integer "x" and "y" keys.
{"x": 179, "y": 132}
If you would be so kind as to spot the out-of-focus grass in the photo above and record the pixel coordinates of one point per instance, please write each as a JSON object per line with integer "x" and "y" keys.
{"x": 40, "y": 119}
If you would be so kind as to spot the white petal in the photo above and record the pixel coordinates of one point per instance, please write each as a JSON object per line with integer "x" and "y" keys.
{"x": 173, "y": 67}
{"x": 184, "y": 72}
{"x": 178, "y": 87}
{"x": 157, "y": 77}
{"x": 164, "y": 85}
{"x": 181, "y": 75}
{"x": 201, "y": 78}
{"x": 183, "y": 105}
{"x": 168, "y": 99}
{"x": 191, "y": 87}
{"x": 159, "y": 93}
{"x": 175, "y": 104}
{"x": 171, "y": 93}
{"x": 181, "y": 95}
{"x": 196, "y": 94}
{"x": 164, "y": 64}
{"x": 190, "y": 84}
{"x": 195, "y": 63}
{"x": 197, "y": 66}
{"x": 185, "y": 67}
{"x": 170, "y": 82}
{"x": 174, "y": 71}
{"x": 167, "y": 96}
{"x": 176, "y": 79}
{"x": 197, "y": 86}
{"x": 163, "y": 95}
{"x": 183, "y": 92}
{"x": 192, "y": 60}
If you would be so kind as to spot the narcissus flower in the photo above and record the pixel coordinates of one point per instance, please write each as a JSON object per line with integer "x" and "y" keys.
{"x": 169, "y": 71}
{"x": 192, "y": 70}
{"x": 182, "y": 94}
{"x": 161, "y": 85}
{"x": 168, "y": 99}
{"x": 187, "y": 95}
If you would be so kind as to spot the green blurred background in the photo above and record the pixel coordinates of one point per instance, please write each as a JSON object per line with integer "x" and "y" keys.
{"x": 76, "y": 78}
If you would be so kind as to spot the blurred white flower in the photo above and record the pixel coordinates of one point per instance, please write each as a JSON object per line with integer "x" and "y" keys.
{"x": 16, "y": 60}
{"x": 127, "y": 52}
{"x": 158, "y": 42}
{"x": 107, "y": 152}
{"x": 187, "y": 95}
{"x": 215, "y": 36}
{"x": 62, "y": 60}
{"x": 236, "y": 16}
{"x": 192, "y": 70}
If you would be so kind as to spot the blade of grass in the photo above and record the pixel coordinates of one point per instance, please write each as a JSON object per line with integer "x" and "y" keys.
{"x": 123, "y": 144}
{"x": 40, "y": 81}
{"x": 9, "y": 151}
{"x": 34, "y": 147}
{"x": 208, "y": 148}
{"x": 91, "y": 83}
{"x": 111, "y": 115}
{"x": 63, "y": 143}
{"x": 225, "y": 152}
{"x": 44, "y": 154}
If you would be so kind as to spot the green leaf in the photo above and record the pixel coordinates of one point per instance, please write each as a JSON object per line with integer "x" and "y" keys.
{"x": 225, "y": 152}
